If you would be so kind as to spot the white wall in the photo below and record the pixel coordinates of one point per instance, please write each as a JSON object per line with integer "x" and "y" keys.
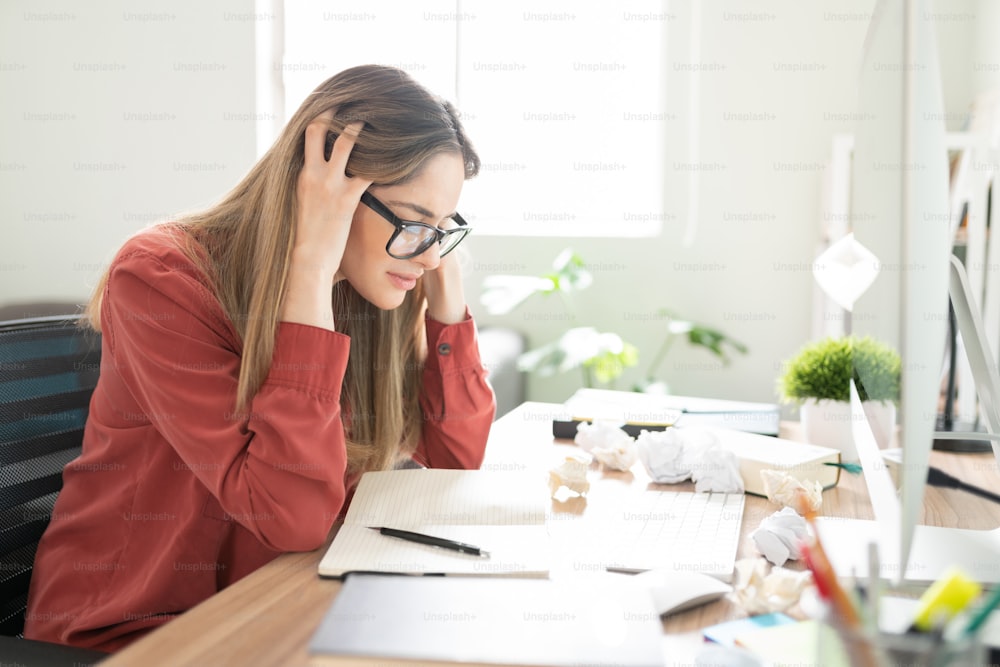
{"x": 959, "y": 32}
{"x": 779, "y": 82}
{"x": 116, "y": 114}
{"x": 986, "y": 46}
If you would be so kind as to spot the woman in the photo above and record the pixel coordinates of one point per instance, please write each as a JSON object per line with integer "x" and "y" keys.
{"x": 258, "y": 357}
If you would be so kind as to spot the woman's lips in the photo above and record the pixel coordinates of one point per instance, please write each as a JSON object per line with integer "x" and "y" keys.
{"x": 402, "y": 281}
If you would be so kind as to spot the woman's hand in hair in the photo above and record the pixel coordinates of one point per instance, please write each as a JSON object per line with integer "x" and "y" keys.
{"x": 445, "y": 294}
{"x": 327, "y": 198}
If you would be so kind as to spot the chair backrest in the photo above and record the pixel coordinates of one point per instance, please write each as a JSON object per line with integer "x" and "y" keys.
{"x": 48, "y": 370}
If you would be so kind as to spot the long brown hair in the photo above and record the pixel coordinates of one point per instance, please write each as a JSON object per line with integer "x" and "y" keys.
{"x": 244, "y": 243}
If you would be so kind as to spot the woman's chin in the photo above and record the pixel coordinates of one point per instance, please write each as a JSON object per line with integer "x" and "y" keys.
{"x": 387, "y": 300}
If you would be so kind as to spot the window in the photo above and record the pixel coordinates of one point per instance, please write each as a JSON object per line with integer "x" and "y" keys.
{"x": 563, "y": 101}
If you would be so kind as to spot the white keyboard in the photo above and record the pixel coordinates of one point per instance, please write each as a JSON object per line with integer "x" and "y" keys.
{"x": 645, "y": 530}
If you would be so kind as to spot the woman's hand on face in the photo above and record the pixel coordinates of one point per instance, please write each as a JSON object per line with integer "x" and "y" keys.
{"x": 327, "y": 198}
{"x": 444, "y": 290}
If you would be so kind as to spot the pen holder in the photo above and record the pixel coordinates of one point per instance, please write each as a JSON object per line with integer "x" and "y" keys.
{"x": 857, "y": 647}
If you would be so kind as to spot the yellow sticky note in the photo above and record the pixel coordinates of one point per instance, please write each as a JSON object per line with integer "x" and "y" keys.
{"x": 946, "y": 597}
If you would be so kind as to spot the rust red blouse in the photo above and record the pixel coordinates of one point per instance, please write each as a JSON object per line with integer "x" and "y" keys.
{"x": 174, "y": 497}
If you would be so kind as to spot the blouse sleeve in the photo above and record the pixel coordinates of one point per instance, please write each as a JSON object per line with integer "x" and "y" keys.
{"x": 457, "y": 401}
{"x": 280, "y": 473}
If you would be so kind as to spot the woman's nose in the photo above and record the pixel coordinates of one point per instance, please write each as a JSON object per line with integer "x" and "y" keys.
{"x": 430, "y": 258}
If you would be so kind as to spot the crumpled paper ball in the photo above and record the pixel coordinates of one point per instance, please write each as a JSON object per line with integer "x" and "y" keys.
{"x": 758, "y": 591}
{"x": 779, "y": 535}
{"x": 663, "y": 455}
{"x": 607, "y": 443}
{"x": 717, "y": 471}
{"x": 785, "y": 490}
{"x": 676, "y": 454}
{"x": 621, "y": 456}
{"x": 571, "y": 475}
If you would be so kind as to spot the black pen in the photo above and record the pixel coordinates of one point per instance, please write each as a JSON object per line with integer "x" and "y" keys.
{"x": 420, "y": 538}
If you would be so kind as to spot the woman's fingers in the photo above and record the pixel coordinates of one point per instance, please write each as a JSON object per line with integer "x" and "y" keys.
{"x": 343, "y": 146}
{"x": 327, "y": 197}
{"x": 316, "y": 138}
{"x": 328, "y": 176}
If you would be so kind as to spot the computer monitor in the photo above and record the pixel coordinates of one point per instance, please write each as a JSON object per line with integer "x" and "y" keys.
{"x": 900, "y": 211}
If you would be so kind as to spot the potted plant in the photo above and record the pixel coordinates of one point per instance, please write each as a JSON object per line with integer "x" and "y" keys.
{"x": 818, "y": 376}
{"x": 601, "y": 356}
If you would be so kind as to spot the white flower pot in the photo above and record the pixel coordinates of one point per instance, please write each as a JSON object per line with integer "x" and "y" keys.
{"x": 828, "y": 423}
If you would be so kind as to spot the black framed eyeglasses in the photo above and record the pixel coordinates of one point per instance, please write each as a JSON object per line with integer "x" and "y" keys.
{"x": 413, "y": 238}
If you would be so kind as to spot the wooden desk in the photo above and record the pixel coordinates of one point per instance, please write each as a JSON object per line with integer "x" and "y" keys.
{"x": 268, "y": 617}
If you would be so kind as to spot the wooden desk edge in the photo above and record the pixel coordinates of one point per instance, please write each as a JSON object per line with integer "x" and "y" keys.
{"x": 250, "y": 622}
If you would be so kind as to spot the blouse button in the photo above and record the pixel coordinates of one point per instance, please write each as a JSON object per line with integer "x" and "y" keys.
{"x": 444, "y": 348}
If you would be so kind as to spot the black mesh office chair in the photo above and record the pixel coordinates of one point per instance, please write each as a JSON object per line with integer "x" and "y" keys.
{"x": 48, "y": 369}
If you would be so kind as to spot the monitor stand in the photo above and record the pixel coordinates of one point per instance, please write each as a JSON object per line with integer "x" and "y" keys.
{"x": 961, "y": 436}
{"x": 934, "y": 550}
{"x": 954, "y": 435}
{"x": 977, "y": 348}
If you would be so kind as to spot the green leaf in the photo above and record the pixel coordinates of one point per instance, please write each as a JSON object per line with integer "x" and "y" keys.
{"x": 501, "y": 294}
{"x": 569, "y": 272}
{"x": 607, "y": 365}
{"x": 714, "y": 341}
{"x": 546, "y": 360}
{"x": 605, "y": 355}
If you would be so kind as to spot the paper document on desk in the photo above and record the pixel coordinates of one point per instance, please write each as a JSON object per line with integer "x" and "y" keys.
{"x": 501, "y": 512}
{"x": 378, "y": 620}
{"x": 639, "y": 411}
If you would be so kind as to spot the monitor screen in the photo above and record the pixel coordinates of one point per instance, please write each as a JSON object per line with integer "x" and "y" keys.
{"x": 900, "y": 211}
{"x": 899, "y": 208}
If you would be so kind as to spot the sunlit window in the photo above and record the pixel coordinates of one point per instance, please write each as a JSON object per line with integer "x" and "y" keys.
{"x": 564, "y": 101}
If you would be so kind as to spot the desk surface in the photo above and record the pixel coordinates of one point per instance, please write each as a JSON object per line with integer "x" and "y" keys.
{"x": 268, "y": 617}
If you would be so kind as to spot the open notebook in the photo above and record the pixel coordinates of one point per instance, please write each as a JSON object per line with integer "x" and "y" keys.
{"x": 501, "y": 512}
{"x": 631, "y": 529}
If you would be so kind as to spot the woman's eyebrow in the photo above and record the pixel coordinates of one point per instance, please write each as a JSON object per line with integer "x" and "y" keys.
{"x": 417, "y": 208}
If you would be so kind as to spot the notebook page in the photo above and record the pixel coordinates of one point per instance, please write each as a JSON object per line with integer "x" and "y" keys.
{"x": 411, "y": 499}
{"x": 500, "y": 512}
